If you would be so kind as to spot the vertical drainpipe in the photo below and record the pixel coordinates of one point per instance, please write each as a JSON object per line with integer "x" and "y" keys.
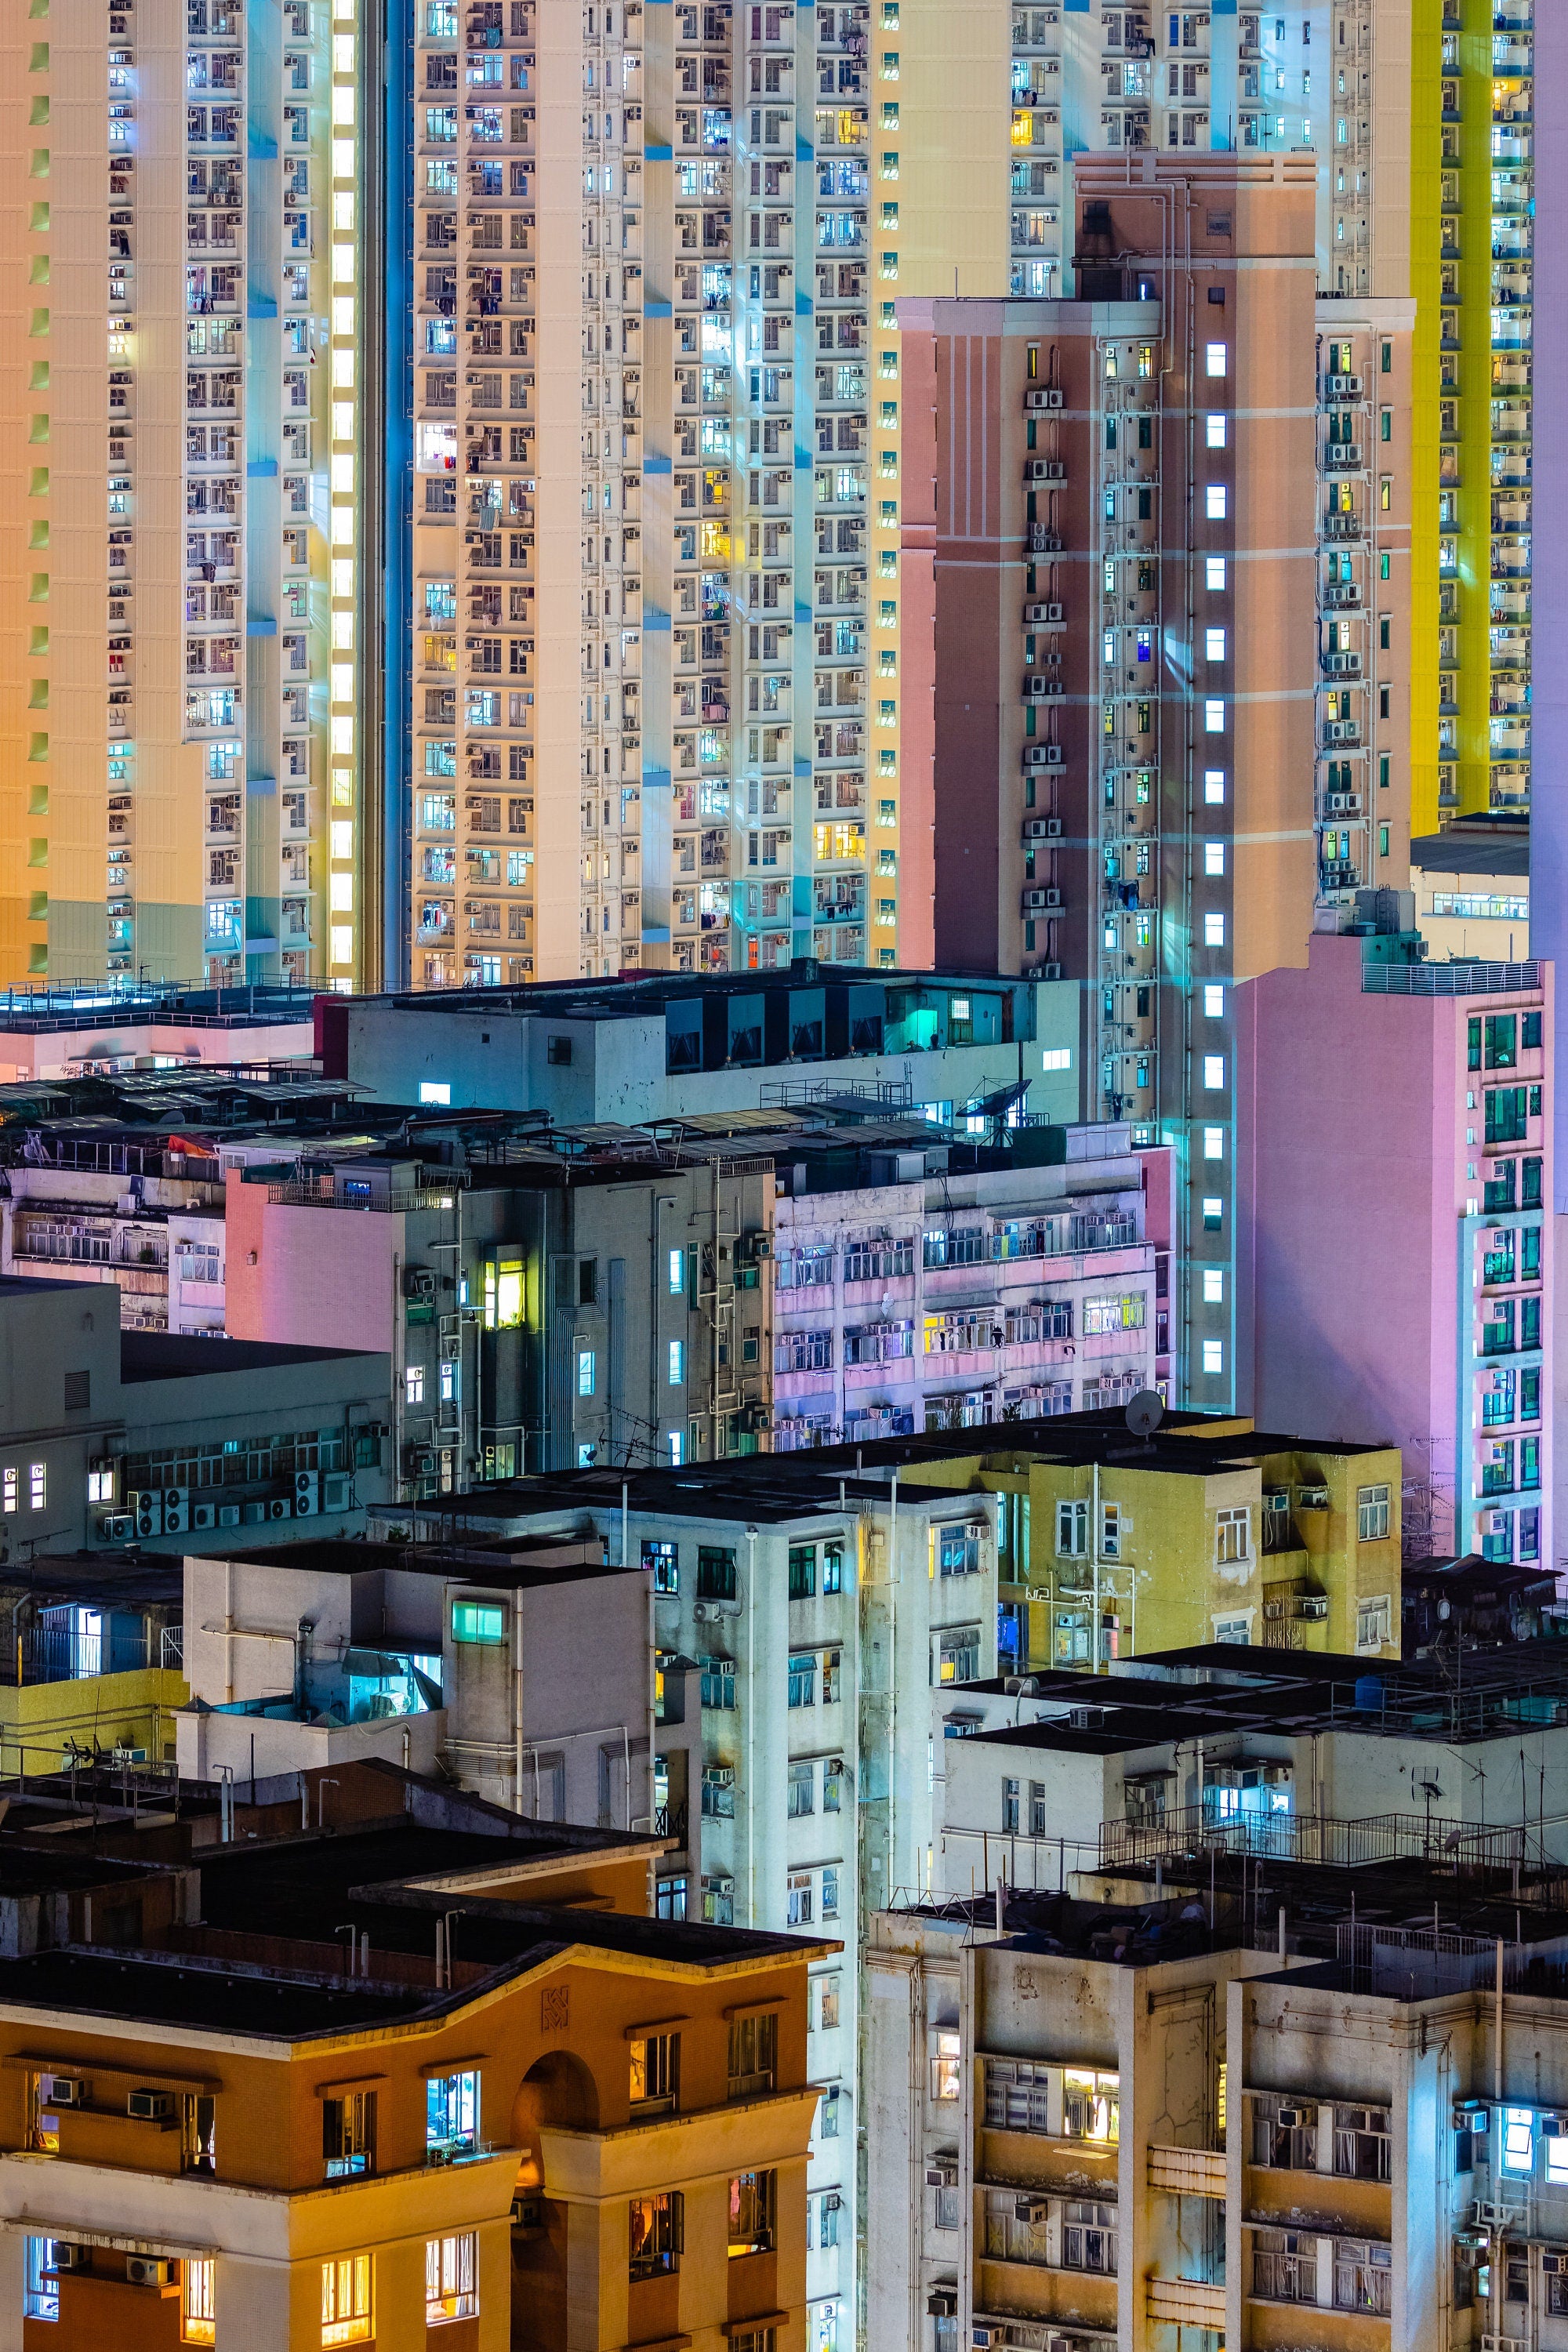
{"x": 517, "y": 1700}
{"x": 751, "y": 1727}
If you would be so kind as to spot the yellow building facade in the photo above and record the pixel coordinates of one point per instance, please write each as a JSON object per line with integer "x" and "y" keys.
{"x": 1222, "y": 1536}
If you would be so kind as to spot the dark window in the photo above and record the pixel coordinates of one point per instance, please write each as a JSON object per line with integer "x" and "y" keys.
{"x": 715, "y": 1573}
{"x": 1529, "y": 1034}
{"x": 78, "y": 1391}
{"x": 1475, "y": 1042}
{"x": 1501, "y": 1033}
{"x": 805, "y": 1040}
{"x": 587, "y": 1281}
{"x": 801, "y": 1571}
{"x": 1531, "y": 1197}
{"x": 683, "y": 1049}
{"x": 558, "y": 1050}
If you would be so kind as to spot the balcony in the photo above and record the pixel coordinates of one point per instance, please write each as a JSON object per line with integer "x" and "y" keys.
{"x": 1188, "y": 2172}
{"x": 1185, "y": 2303}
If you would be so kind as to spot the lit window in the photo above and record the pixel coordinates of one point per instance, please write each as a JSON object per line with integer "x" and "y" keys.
{"x": 504, "y": 1292}
{"x": 1214, "y": 572}
{"x": 1215, "y": 428}
{"x": 1213, "y": 718}
{"x": 1214, "y": 857}
{"x": 677, "y": 1449}
{"x": 1215, "y": 498}
{"x": 452, "y": 2278}
{"x": 1056, "y": 1057}
{"x": 1216, "y": 359}
{"x": 478, "y": 1621}
{"x": 676, "y": 1272}
{"x": 1214, "y": 644}
{"x": 346, "y": 2313}
{"x": 677, "y": 1362}
{"x": 451, "y": 2116}
{"x": 1214, "y": 1143}
{"x": 1214, "y": 930}
{"x": 1213, "y": 1356}
{"x": 10, "y": 1477}
{"x": 38, "y": 1484}
{"x": 1214, "y": 785}
{"x": 435, "y": 1091}
{"x": 1213, "y": 1285}
{"x": 414, "y": 1384}
{"x": 100, "y": 1485}
{"x": 945, "y": 2065}
{"x": 41, "y": 2285}
{"x": 198, "y": 2308}
{"x": 1214, "y": 1071}
{"x": 1518, "y": 2140}
{"x": 584, "y": 1371}
{"x": 1213, "y": 1211}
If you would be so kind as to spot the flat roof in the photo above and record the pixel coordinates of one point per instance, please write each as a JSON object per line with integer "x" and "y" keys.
{"x": 643, "y": 994}
{"x": 169, "y": 1989}
{"x": 1223, "y": 1690}
{"x": 760, "y": 1486}
{"x": 543, "y": 1563}
{"x": 1484, "y": 850}
{"x": 180, "y": 1355}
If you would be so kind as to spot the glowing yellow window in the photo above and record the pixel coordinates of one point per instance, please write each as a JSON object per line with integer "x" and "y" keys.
{"x": 1023, "y": 131}
{"x": 1091, "y": 2105}
{"x": 347, "y": 2316}
{"x": 198, "y": 2310}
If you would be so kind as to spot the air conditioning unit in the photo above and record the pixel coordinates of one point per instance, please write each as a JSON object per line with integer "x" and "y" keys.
{"x": 118, "y": 1527}
{"x": 1552, "y": 2265}
{"x": 149, "y": 2270}
{"x": 281, "y": 1506}
{"x": 940, "y": 2176}
{"x": 67, "y": 2257}
{"x": 147, "y": 1510}
{"x": 176, "y": 1511}
{"x": 1312, "y": 1498}
{"x": 1313, "y": 1606}
{"x": 1472, "y": 2114}
{"x": 150, "y": 2106}
{"x": 1050, "y": 972}
{"x": 62, "y": 2091}
{"x": 1042, "y": 755}
{"x": 1044, "y": 469}
{"x": 229, "y": 1515}
{"x": 941, "y": 2302}
{"x": 1342, "y": 387}
{"x": 1043, "y": 395}
{"x": 335, "y": 1491}
{"x": 718, "y": 1776}
{"x": 307, "y": 1494}
{"x": 1036, "y": 617}
{"x": 204, "y": 1515}
{"x": 1035, "y": 2210}
{"x": 1291, "y": 2118}
{"x": 1341, "y": 665}
{"x": 1033, "y": 900}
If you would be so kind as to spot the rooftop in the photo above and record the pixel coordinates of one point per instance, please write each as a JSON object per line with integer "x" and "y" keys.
{"x": 122, "y": 1004}
{"x": 641, "y": 995}
{"x": 167, "y": 1989}
{"x": 1218, "y": 1688}
{"x": 179, "y": 1355}
{"x": 1495, "y": 848}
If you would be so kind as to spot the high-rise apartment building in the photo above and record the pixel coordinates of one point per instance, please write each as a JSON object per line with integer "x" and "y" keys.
{"x": 642, "y": 707}
{"x": 1473, "y": 273}
{"x": 1124, "y": 509}
{"x": 183, "y": 692}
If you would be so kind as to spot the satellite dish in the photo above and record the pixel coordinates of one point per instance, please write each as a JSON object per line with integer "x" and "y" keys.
{"x": 1145, "y": 1412}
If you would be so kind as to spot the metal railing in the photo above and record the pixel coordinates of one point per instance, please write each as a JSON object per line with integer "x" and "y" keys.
{"x": 1311, "y": 1838}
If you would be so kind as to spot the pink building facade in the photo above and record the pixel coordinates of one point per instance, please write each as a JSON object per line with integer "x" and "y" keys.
{"x": 1395, "y": 1227}
{"x": 952, "y": 1301}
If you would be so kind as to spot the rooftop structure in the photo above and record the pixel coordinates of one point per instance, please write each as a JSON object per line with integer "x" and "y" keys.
{"x": 377, "y": 1954}
{"x": 1472, "y": 889}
